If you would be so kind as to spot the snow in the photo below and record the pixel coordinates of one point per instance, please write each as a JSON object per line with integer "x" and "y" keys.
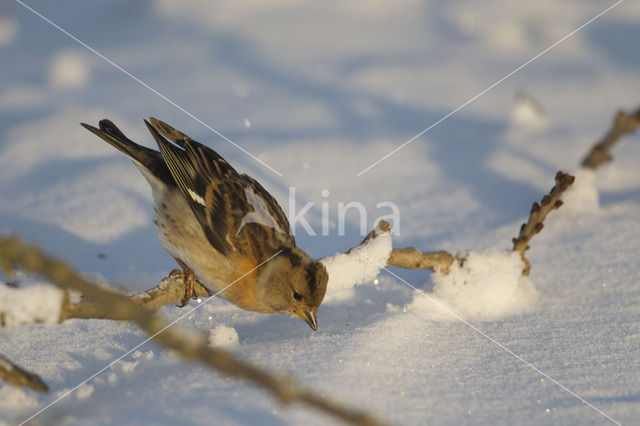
{"x": 583, "y": 195}
{"x": 145, "y": 355}
{"x": 488, "y": 286}
{"x": 359, "y": 266}
{"x": 528, "y": 114}
{"x": 69, "y": 70}
{"x": 13, "y": 399}
{"x": 33, "y": 304}
{"x": 320, "y": 91}
{"x": 8, "y": 30}
{"x": 222, "y": 335}
{"x": 84, "y": 392}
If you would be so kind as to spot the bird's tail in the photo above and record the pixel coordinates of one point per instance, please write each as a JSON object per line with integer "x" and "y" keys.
{"x": 143, "y": 157}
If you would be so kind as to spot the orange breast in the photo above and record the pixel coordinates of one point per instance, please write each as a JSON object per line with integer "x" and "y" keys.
{"x": 242, "y": 291}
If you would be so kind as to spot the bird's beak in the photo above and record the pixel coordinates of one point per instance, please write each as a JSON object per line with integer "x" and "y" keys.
{"x": 309, "y": 317}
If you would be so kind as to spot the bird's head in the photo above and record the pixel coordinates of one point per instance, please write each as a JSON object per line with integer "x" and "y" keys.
{"x": 293, "y": 283}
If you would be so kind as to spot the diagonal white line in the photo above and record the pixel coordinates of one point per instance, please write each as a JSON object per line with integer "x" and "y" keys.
{"x": 128, "y": 74}
{"x": 143, "y": 342}
{"x": 491, "y": 339}
{"x": 489, "y": 88}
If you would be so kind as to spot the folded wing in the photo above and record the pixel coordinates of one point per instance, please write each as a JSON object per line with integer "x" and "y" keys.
{"x": 235, "y": 211}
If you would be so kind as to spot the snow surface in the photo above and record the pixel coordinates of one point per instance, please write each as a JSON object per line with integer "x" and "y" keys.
{"x": 327, "y": 89}
{"x": 69, "y": 70}
{"x": 222, "y": 335}
{"x": 33, "y": 304}
{"x": 488, "y": 286}
{"x": 8, "y": 29}
{"x": 583, "y": 195}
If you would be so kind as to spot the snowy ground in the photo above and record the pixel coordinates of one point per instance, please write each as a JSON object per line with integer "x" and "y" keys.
{"x": 319, "y": 92}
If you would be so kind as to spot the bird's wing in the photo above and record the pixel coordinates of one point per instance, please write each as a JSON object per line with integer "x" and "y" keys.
{"x": 236, "y": 213}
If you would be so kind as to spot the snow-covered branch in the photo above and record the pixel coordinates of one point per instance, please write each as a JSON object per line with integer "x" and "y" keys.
{"x": 358, "y": 265}
{"x": 441, "y": 261}
{"x": 361, "y": 263}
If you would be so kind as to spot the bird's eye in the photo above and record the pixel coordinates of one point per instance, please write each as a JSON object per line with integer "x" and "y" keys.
{"x": 297, "y": 295}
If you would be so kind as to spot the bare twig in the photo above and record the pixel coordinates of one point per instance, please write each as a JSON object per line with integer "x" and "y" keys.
{"x": 17, "y": 376}
{"x": 191, "y": 345}
{"x": 623, "y": 124}
{"x": 537, "y": 215}
{"x": 412, "y": 258}
{"x": 168, "y": 292}
{"x": 383, "y": 228}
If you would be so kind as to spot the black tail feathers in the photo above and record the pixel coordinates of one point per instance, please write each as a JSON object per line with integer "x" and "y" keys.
{"x": 148, "y": 158}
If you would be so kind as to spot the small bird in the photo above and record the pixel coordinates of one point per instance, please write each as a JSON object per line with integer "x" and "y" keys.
{"x": 219, "y": 225}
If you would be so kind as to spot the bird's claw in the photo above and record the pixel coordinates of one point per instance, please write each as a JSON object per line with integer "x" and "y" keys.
{"x": 189, "y": 282}
{"x": 188, "y": 290}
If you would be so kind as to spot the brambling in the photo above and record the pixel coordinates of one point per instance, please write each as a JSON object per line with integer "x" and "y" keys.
{"x": 220, "y": 225}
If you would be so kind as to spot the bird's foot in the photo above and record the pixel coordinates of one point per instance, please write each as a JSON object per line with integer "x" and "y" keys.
{"x": 189, "y": 282}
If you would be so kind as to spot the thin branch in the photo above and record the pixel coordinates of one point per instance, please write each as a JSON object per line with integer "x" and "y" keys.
{"x": 383, "y": 228}
{"x": 191, "y": 345}
{"x": 537, "y": 216}
{"x": 17, "y": 376}
{"x": 169, "y": 291}
{"x": 412, "y": 258}
{"x": 623, "y": 124}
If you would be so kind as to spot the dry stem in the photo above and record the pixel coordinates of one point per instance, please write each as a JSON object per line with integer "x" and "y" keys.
{"x": 623, "y": 124}
{"x": 17, "y": 376}
{"x": 191, "y": 345}
{"x": 412, "y": 258}
{"x": 537, "y": 215}
{"x": 169, "y": 291}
